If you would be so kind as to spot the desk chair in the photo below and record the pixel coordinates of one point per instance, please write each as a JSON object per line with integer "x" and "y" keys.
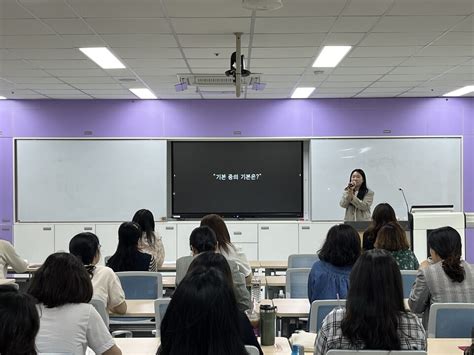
{"x": 141, "y": 285}
{"x": 301, "y": 260}
{"x": 408, "y": 279}
{"x": 451, "y": 320}
{"x": 319, "y": 310}
{"x": 376, "y": 352}
{"x": 104, "y": 314}
{"x": 252, "y": 350}
{"x": 297, "y": 283}
{"x": 161, "y": 305}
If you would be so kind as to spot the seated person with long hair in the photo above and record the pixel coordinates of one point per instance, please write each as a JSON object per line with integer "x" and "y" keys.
{"x": 105, "y": 282}
{"x": 329, "y": 276}
{"x": 68, "y": 323}
{"x": 203, "y": 239}
{"x": 375, "y": 317}
{"x": 446, "y": 278}
{"x": 383, "y": 214}
{"x": 202, "y": 317}
{"x": 150, "y": 242}
{"x": 128, "y": 256}
{"x": 392, "y": 238}
{"x": 19, "y": 322}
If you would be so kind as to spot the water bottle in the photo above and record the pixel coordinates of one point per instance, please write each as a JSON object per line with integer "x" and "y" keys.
{"x": 281, "y": 294}
{"x": 267, "y": 324}
{"x": 255, "y": 290}
{"x": 297, "y": 349}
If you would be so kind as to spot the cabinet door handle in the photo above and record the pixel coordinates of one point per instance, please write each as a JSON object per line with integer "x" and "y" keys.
{"x": 87, "y": 228}
{"x": 237, "y": 233}
{"x": 169, "y": 228}
{"x": 305, "y": 227}
{"x": 264, "y": 228}
{"x": 46, "y": 228}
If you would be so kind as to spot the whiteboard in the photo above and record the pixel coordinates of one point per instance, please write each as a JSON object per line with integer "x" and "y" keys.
{"x": 89, "y": 180}
{"x": 428, "y": 169}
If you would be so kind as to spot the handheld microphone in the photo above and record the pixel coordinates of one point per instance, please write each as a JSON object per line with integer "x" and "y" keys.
{"x": 405, "y": 199}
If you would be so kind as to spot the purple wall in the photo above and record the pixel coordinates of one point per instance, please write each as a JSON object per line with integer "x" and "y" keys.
{"x": 221, "y": 118}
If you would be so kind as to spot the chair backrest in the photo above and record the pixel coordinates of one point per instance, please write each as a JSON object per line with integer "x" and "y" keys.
{"x": 301, "y": 260}
{"x": 376, "y": 352}
{"x": 319, "y": 310}
{"x": 297, "y": 282}
{"x": 451, "y": 320}
{"x": 141, "y": 285}
{"x": 408, "y": 279}
{"x": 101, "y": 309}
{"x": 161, "y": 305}
{"x": 252, "y": 350}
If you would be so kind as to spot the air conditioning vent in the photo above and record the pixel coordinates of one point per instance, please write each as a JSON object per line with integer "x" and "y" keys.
{"x": 215, "y": 79}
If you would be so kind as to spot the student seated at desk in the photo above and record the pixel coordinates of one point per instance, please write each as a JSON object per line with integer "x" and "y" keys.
{"x": 8, "y": 256}
{"x": 68, "y": 323}
{"x": 105, "y": 282}
{"x": 375, "y": 317}
{"x": 202, "y": 317}
{"x": 383, "y": 214}
{"x": 392, "y": 238}
{"x": 150, "y": 242}
{"x": 19, "y": 322}
{"x": 445, "y": 277}
{"x": 128, "y": 256}
{"x": 329, "y": 276}
{"x": 203, "y": 239}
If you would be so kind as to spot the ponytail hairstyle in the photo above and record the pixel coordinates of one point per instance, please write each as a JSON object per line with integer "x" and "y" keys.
{"x": 217, "y": 224}
{"x": 363, "y": 187}
{"x": 85, "y": 246}
{"x": 446, "y": 242}
{"x": 123, "y": 260}
{"x": 147, "y": 223}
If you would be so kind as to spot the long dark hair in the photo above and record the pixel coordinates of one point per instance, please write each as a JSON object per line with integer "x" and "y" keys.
{"x": 383, "y": 213}
{"x": 201, "y": 317}
{"x": 374, "y": 302}
{"x": 62, "y": 279}
{"x": 147, "y": 223}
{"x": 85, "y": 246}
{"x": 446, "y": 242}
{"x": 123, "y": 260}
{"x": 392, "y": 237}
{"x": 363, "y": 187}
{"x": 217, "y": 224}
{"x": 19, "y": 322}
{"x": 341, "y": 247}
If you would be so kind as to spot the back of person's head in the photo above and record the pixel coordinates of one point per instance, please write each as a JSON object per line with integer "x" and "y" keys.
{"x": 86, "y": 247}
{"x": 129, "y": 233}
{"x": 374, "y": 302}
{"x": 391, "y": 237}
{"x": 383, "y": 213}
{"x": 147, "y": 223}
{"x": 202, "y": 317}
{"x": 19, "y": 322}
{"x": 446, "y": 242}
{"x": 210, "y": 259}
{"x": 203, "y": 239}
{"x": 217, "y": 224}
{"x": 341, "y": 247}
{"x": 62, "y": 279}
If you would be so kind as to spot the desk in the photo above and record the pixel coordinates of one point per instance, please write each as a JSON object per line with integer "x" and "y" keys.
{"x": 292, "y": 307}
{"x": 138, "y": 308}
{"x": 168, "y": 267}
{"x": 169, "y": 281}
{"x": 7, "y": 282}
{"x": 276, "y": 281}
{"x": 274, "y": 265}
{"x": 254, "y": 264}
{"x": 136, "y": 346}
{"x": 444, "y": 346}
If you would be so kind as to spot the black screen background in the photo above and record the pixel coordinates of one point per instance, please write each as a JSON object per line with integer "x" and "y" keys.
{"x": 278, "y": 192}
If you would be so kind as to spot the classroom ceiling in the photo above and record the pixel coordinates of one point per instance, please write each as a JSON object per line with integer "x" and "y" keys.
{"x": 401, "y": 48}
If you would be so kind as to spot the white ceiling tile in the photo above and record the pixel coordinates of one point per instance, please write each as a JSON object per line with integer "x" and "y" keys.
{"x": 77, "y": 41}
{"x": 359, "y": 70}
{"x": 120, "y": 73}
{"x": 90, "y": 87}
{"x": 70, "y": 91}
{"x": 281, "y": 62}
{"x": 33, "y": 80}
{"x": 76, "y": 72}
{"x": 367, "y": 7}
{"x": 421, "y": 61}
{"x": 129, "y": 25}
{"x": 283, "y": 52}
{"x": 399, "y": 39}
{"x": 354, "y": 23}
{"x": 436, "y": 69}
{"x": 416, "y": 23}
{"x": 211, "y": 41}
{"x": 343, "y": 39}
{"x": 431, "y": 7}
{"x": 117, "y": 8}
{"x": 276, "y": 84}
{"x": 346, "y": 84}
{"x": 372, "y": 62}
{"x": 266, "y": 77}
{"x": 456, "y": 39}
{"x": 383, "y": 51}
{"x": 69, "y": 26}
{"x": 158, "y": 80}
{"x": 378, "y": 94}
{"x": 326, "y": 90}
{"x": 463, "y": 69}
{"x": 449, "y": 77}
{"x": 165, "y": 71}
{"x": 211, "y": 25}
{"x": 7, "y": 65}
{"x": 410, "y": 77}
{"x": 6, "y": 54}
{"x": 293, "y": 24}
{"x": 221, "y": 64}
{"x": 367, "y": 77}
{"x": 24, "y": 27}
{"x": 394, "y": 84}
{"x": 306, "y": 8}
{"x": 394, "y": 90}
{"x": 156, "y": 63}
{"x": 29, "y": 42}
{"x": 446, "y": 51}
{"x": 415, "y": 95}
{"x": 49, "y": 8}
{"x": 18, "y": 94}
{"x": 140, "y": 40}
{"x": 10, "y": 9}
{"x": 205, "y": 8}
{"x": 285, "y": 71}
{"x": 128, "y": 95}
{"x": 94, "y": 92}
{"x": 69, "y": 96}
{"x": 63, "y": 64}
{"x": 23, "y": 73}
{"x": 44, "y": 86}
{"x": 89, "y": 80}
{"x": 288, "y": 40}
{"x": 467, "y": 25}
{"x": 330, "y": 96}
{"x": 45, "y": 54}
{"x": 210, "y": 53}
{"x": 147, "y": 53}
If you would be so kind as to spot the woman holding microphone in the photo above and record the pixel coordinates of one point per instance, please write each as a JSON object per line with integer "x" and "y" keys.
{"x": 357, "y": 198}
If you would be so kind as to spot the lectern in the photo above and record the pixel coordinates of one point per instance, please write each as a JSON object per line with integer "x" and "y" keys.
{"x": 425, "y": 218}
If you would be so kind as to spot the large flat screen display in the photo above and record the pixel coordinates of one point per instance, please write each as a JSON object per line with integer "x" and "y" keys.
{"x": 237, "y": 179}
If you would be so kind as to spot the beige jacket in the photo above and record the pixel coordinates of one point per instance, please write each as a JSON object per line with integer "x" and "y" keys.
{"x": 8, "y": 256}
{"x": 357, "y": 210}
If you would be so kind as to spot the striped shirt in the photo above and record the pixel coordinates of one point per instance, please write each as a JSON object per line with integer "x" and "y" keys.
{"x": 410, "y": 331}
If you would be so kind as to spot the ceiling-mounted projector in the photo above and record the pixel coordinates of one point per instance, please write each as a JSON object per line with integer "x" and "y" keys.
{"x": 262, "y": 5}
